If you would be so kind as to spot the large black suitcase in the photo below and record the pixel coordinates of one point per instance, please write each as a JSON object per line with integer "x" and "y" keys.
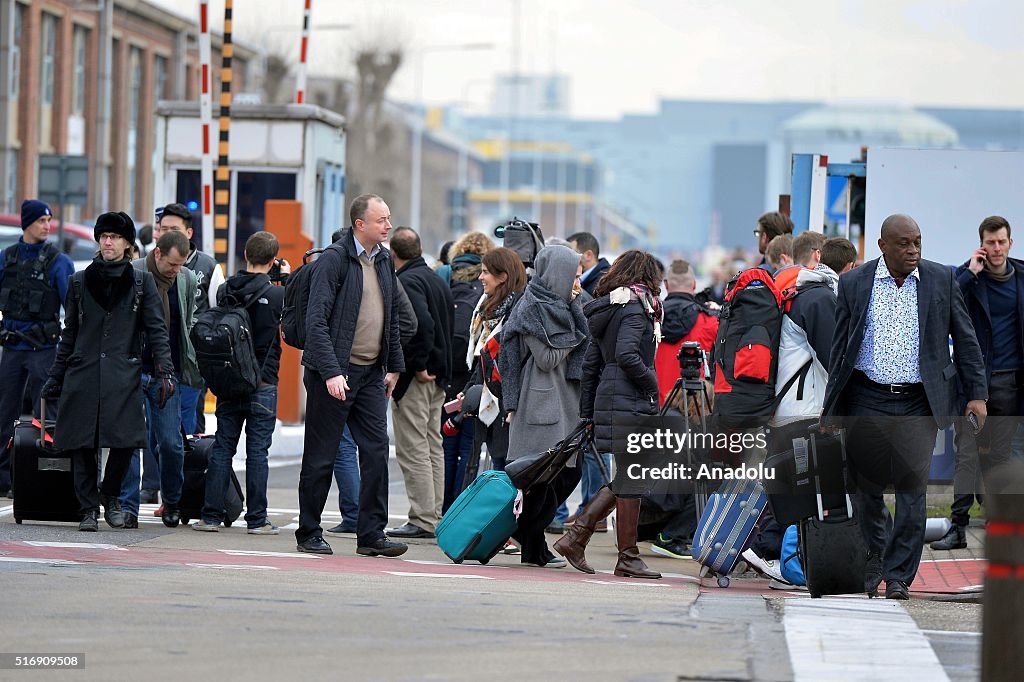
{"x": 41, "y": 475}
{"x": 193, "y": 490}
{"x": 791, "y": 489}
{"x": 832, "y": 547}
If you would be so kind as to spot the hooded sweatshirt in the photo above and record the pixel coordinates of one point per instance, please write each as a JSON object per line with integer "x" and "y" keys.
{"x": 265, "y": 315}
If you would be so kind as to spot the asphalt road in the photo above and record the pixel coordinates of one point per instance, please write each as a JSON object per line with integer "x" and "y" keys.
{"x": 161, "y": 603}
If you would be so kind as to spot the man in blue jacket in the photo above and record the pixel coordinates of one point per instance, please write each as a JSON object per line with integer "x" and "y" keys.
{"x": 993, "y": 287}
{"x": 353, "y": 356}
{"x": 33, "y": 284}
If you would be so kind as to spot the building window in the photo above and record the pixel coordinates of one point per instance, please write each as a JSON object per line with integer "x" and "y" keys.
{"x": 48, "y": 43}
{"x": 78, "y": 83}
{"x": 134, "y": 102}
{"x": 160, "y": 77}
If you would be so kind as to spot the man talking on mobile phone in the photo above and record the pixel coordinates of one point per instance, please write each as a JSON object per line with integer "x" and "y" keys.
{"x": 993, "y": 288}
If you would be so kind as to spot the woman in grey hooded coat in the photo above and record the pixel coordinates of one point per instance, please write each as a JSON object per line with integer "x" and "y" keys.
{"x": 541, "y": 363}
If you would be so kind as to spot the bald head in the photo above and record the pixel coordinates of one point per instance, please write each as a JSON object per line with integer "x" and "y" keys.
{"x": 900, "y": 244}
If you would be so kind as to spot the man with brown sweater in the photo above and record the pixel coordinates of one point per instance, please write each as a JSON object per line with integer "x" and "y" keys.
{"x": 352, "y": 357}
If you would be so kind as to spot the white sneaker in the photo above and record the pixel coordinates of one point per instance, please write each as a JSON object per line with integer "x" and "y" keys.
{"x": 766, "y": 568}
{"x": 207, "y": 527}
{"x": 266, "y": 529}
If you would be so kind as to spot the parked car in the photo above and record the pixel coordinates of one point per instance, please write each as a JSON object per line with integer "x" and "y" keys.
{"x": 79, "y": 242}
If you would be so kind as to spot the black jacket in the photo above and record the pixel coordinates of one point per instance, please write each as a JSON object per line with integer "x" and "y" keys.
{"x": 265, "y": 315}
{"x": 99, "y": 361}
{"x": 618, "y": 371}
{"x": 334, "y": 308}
{"x": 590, "y": 283}
{"x": 431, "y": 347}
{"x": 976, "y": 299}
{"x": 941, "y": 314}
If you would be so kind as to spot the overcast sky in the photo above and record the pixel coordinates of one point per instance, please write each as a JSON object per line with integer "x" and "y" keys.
{"x": 622, "y": 56}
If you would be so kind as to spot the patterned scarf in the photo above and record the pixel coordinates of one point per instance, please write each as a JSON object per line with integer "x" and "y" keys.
{"x": 484, "y": 323}
{"x": 652, "y": 304}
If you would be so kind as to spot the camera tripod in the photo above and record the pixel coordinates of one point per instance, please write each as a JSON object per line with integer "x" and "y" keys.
{"x": 697, "y": 389}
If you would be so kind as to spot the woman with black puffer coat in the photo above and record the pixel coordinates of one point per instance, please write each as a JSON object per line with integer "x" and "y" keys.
{"x": 619, "y": 381}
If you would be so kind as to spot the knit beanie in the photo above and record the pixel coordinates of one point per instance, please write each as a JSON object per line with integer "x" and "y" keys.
{"x": 31, "y": 211}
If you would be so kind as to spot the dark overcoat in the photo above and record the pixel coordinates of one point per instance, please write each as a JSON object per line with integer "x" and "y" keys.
{"x": 618, "y": 371}
{"x": 99, "y": 363}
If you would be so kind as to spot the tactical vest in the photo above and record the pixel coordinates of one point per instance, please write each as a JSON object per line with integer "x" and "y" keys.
{"x": 26, "y": 293}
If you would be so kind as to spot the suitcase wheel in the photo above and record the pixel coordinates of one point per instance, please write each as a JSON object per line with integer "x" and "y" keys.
{"x": 484, "y": 562}
{"x": 457, "y": 561}
{"x": 723, "y": 581}
{"x": 185, "y": 520}
{"x": 17, "y": 520}
{"x": 227, "y": 524}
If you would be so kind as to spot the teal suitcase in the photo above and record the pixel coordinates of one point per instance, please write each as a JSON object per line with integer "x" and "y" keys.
{"x": 480, "y": 521}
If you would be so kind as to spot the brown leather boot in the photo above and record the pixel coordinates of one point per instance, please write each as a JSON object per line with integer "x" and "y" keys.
{"x": 573, "y": 544}
{"x": 630, "y": 565}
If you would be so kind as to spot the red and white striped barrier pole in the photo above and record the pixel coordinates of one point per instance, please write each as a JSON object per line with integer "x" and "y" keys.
{"x": 300, "y": 81}
{"x": 206, "y": 119}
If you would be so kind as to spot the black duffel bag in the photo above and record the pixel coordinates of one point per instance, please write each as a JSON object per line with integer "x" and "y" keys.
{"x": 541, "y": 468}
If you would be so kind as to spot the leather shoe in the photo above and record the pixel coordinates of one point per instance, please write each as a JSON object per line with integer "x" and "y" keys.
{"x": 112, "y": 513}
{"x": 873, "y": 574}
{"x": 383, "y": 547}
{"x": 895, "y": 589}
{"x": 314, "y": 545}
{"x": 409, "y": 530}
{"x": 90, "y": 522}
{"x": 171, "y": 516}
{"x": 131, "y": 520}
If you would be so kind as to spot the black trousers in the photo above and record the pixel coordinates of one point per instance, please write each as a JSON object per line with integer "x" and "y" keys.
{"x": 890, "y": 438}
{"x": 364, "y": 410}
{"x": 539, "y": 506}
{"x": 86, "y": 472}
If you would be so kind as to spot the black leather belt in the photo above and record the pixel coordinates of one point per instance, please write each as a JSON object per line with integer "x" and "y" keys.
{"x": 896, "y": 389}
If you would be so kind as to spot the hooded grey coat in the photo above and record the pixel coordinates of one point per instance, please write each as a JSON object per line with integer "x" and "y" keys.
{"x": 541, "y": 360}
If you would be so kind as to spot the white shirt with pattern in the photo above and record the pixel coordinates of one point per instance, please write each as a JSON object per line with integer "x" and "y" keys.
{"x": 890, "y": 351}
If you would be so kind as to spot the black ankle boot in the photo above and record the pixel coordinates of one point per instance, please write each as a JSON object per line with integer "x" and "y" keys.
{"x": 112, "y": 511}
{"x": 955, "y": 538}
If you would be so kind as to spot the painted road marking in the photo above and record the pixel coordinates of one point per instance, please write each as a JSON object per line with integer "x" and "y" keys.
{"x": 865, "y": 639}
{"x": 253, "y": 552}
{"x": 37, "y": 560}
{"x": 409, "y": 574}
{"x": 638, "y": 583}
{"x": 235, "y": 567}
{"x": 76, "y": 545}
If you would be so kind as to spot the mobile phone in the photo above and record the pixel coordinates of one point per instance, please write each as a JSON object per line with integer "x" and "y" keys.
{"x": 453, "y": 406}
{"x": 973, "y": 419}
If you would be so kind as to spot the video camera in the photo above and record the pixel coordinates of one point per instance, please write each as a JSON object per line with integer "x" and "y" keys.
{"x": 691, "y": 361}
{"x": 523, "y": 237}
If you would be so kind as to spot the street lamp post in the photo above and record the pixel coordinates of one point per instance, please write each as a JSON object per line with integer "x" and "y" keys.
{"x": 416, "y": 180}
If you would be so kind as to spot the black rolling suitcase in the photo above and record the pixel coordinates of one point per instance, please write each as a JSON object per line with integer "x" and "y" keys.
{"x": 193, "y": 490}
{"x": 792, "y": 489}
{"x": 832, "y": 548}
{"x": 44, "y": 487}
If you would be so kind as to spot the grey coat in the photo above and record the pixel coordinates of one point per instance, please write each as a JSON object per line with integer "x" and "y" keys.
{"x": 548, "y": 401}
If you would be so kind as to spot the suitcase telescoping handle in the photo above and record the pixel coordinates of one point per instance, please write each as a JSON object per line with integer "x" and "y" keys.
{"x": 42, "y": 424}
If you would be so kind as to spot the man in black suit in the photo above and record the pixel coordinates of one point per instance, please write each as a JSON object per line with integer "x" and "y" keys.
{"x": 891, "y": 378}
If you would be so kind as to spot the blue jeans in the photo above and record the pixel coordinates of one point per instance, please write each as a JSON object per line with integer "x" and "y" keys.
{"x": 346, "y": 473}
{"x": 189, "y": 401}
{"x": 593, "y": 479}
{"x": 164, "y": 427}
{"x": 259, "y": 414}
{"x": 458, "y": 450}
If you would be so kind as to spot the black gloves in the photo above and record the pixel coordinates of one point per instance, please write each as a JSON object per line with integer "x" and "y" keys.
{"x": 51, "y": 389}
{"x": 167, "y": 388}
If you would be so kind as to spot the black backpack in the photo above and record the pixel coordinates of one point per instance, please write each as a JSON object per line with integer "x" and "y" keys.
{"x": 465, "y": 296}
{"x": 223, "y": 340}
{"x": 296, "y": 296}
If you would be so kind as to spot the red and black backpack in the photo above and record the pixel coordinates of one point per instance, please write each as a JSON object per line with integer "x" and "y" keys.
{"x": 747, "y": 350}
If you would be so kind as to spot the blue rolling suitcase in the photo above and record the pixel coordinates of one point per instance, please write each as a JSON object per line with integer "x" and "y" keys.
{"x": 727, "y": 525}
{"x": 481, "y": 519}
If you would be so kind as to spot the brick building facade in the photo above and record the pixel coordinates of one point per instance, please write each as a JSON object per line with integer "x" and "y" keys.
{"x": 51, "y": 94}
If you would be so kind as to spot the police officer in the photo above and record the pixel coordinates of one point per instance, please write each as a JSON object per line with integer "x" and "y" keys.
{"x": 33, "y": 283}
